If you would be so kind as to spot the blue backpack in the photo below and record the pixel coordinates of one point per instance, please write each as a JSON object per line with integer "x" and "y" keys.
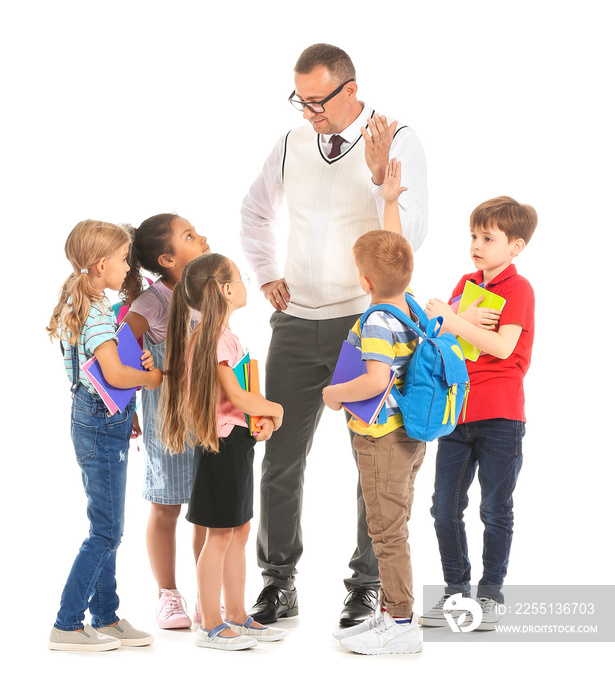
{"x": 429, "y": 398}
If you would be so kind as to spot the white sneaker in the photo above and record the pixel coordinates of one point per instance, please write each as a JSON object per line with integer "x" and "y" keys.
{"x": 435, "y": 616}
{"x": 388, "y": 637}
{"x": 171, "y": 610}
{"x": 491, "y": 614}
{"x": 372, "y": 621}
{"x": 87, "y": 639}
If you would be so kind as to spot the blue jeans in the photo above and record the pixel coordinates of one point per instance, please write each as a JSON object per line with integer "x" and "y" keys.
{"x": 101, "y": 445}
{"x": 494, "y": 447}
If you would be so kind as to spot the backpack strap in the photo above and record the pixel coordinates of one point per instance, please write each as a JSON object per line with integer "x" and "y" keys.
{"x": 425, "y": 329}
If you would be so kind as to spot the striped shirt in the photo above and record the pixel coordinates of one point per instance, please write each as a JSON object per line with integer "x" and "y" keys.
{"x": 97, "y": 329}
{"x": 387, "y": 340}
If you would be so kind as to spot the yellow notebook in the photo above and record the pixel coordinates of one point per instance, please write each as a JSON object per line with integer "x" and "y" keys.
{"x": 472, "y": 292}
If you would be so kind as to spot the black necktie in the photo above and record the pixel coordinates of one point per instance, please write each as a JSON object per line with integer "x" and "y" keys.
{"x": 336, "y": 145}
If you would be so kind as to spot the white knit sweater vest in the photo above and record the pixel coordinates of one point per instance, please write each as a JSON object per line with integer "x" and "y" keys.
{"x": 330, "y": 204}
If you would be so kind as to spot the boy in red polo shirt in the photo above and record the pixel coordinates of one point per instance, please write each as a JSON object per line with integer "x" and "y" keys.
{"x": 489, "y": 437}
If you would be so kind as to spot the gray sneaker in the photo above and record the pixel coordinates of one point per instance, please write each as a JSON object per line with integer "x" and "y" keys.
{"x": 435, "y": 616}
{"x": 127, "y": 635}
{"x": 87, "y": 639}
{"x": 491, "y": 614}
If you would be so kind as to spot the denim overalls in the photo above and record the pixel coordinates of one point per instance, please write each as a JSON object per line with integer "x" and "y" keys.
{"x": 101, "y": 445}
{"x": 168, "y": 478}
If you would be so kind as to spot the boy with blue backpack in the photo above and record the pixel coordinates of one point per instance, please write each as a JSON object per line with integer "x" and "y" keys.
{"x": 390, "y": 451}
{"x": 488, "y": 438}
{"x": 388, "y": 458}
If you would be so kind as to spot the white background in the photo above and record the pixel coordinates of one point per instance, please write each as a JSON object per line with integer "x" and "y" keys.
{"x": 119, "y": 111}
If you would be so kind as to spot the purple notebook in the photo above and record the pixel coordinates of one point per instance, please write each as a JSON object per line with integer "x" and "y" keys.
{"x": 130, "y": 353}
{"x": 350, "y": 365}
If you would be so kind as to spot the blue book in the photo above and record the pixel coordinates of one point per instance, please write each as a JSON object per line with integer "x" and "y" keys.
{"x": 351, "y": 365}
{"x": 240, "y": 371}
{"x": 130, "y": 353}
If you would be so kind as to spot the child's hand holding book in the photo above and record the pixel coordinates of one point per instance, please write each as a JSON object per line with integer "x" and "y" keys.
{"x": 481, "y": 317}
{"x": 328, "y": 396}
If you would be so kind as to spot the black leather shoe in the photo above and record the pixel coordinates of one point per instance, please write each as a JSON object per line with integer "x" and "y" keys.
{"x": 360, "y": 603}
{"x": 273, "y": 603}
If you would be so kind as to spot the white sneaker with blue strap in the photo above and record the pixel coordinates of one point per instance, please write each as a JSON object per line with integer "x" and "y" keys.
{"x": 263, "y": 634}
{"x": 212, "y": 639}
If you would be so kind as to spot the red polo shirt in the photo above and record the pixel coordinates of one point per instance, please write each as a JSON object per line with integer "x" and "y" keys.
{"x": 496, "y": 386}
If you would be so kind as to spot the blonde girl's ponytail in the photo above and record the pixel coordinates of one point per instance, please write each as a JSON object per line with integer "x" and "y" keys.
{"x": 190, "y": 405}
{"x": 87, "y": 243}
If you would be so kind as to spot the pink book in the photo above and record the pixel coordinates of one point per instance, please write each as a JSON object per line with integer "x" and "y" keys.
{"x": 130, "y": 354}
{"x": 100, "y": 389}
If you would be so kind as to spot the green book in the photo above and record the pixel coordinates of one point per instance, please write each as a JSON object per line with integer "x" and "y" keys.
{"x": 472, "y": 292}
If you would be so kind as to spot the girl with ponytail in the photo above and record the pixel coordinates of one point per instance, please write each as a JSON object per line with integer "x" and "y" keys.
{"x": 84, "y": 323}
{"x": 163, "y": 245}
{"x": 204, "y": 402}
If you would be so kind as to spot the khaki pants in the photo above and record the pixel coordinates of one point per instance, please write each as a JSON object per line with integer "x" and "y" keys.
{"x": 388, "y": 466}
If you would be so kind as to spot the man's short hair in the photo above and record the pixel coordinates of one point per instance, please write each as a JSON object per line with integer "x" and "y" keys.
{"x": 386, "y": 259}
{"x": 334, "y": 59}
{"x": 505, "y": 213}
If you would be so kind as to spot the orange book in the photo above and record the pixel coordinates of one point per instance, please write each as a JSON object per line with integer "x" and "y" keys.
{"x": 254, "y": 387}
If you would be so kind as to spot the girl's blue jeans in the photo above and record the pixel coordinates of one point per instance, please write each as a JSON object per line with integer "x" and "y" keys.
{"x": 494, "y": 447}
{"x": 101, "y": 445}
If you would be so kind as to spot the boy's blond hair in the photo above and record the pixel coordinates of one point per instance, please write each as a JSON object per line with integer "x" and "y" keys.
{"x": 386, "y": 259}
{"x": 505, "y": 213}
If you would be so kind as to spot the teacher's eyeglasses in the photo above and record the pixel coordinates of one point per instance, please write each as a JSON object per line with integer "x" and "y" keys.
{"x": 316, "y": 107}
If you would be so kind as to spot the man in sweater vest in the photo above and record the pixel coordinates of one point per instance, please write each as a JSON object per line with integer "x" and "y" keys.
{"x": 331, "y": 181}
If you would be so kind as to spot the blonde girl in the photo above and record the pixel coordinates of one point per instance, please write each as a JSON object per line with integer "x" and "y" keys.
{"x": 203, "y": 398}
{"x": 84, "y": 323}
{"x": 163, "y": 244}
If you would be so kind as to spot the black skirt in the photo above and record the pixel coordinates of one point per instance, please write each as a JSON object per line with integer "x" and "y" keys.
{"x": 223, "y": 484}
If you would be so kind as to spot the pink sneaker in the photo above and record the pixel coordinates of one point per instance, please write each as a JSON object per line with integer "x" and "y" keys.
{"x": 170, "y": 611}
{"x": 197, "y": 611}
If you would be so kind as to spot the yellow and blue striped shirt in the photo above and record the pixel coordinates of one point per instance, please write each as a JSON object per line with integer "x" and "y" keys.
{"x": 387, "y": 340}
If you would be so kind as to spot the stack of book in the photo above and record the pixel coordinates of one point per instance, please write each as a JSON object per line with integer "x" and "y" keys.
{"x": 246, "y": 371}
{"x": 130, "y": 353}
